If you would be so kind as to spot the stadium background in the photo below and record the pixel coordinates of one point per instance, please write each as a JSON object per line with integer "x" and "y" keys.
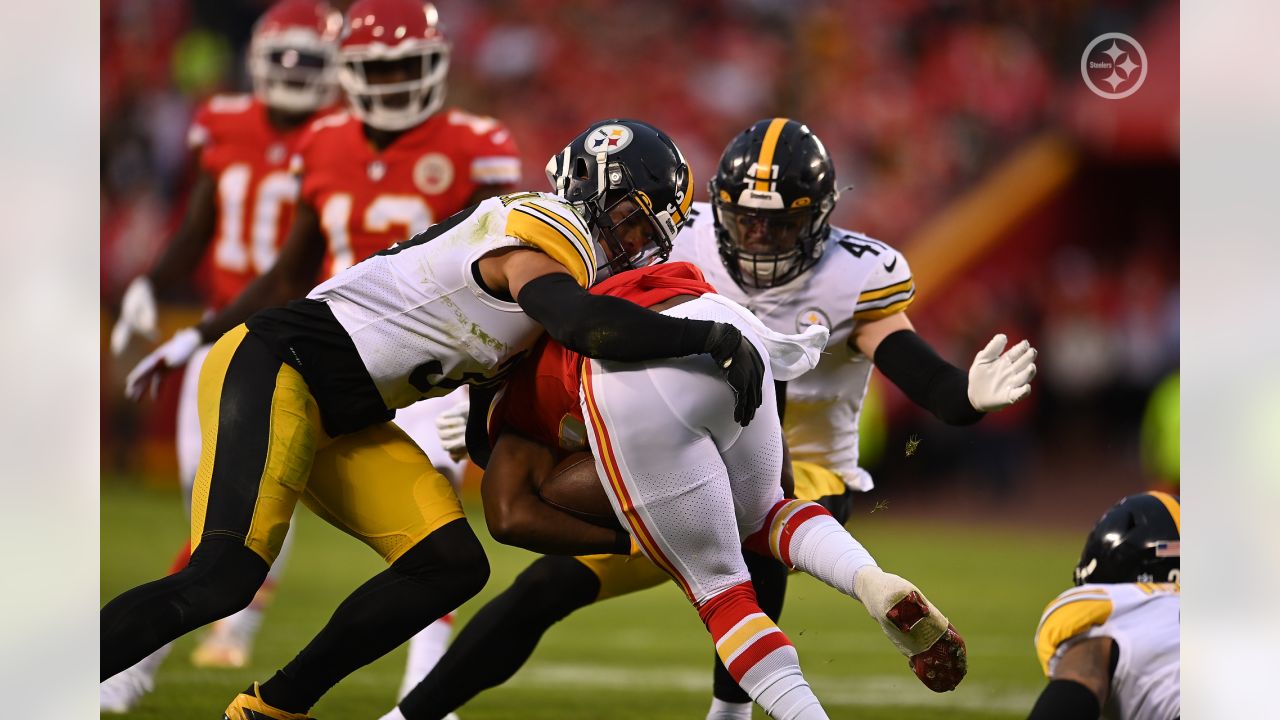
{"x": 1023, "y": 202}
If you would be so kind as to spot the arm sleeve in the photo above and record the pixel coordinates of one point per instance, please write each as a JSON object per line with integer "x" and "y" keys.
{"x": 931, "y": 382}
{"x": 1066, "y": 700}
{"x": 608, "y": 328}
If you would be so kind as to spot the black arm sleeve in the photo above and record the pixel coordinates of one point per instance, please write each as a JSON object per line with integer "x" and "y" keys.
{"x": 477, "y": 432}
{"x": 931, "y": 382}
{"x": 608, "y": 328}
{"x": 1066, "y": 700}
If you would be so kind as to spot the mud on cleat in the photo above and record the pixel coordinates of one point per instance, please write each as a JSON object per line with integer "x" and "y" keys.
{"x": 936, "y": 653}
{"x": 249, "y": 705}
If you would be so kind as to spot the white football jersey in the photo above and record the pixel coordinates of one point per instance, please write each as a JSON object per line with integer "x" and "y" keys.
{"x": 1144, "y": 619}
{"x": 857, "y": 279}
{"x": 421, "y": 321}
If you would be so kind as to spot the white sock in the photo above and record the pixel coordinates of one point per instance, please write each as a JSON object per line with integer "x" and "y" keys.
{"x": 722, "y": 710}
{"x": 425, "y": 650}
{"x": 395, "y": 714}
{"x": 151, "y": 663}
{"x": 786, "y": 696}
{"x": 821, "y": 547}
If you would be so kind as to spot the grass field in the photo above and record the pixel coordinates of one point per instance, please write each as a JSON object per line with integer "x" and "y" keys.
{"x": 645, "y": 656}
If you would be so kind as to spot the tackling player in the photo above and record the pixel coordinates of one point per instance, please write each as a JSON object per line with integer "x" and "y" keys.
{"x": 691, "y": 485}
{"x": 296, "y": 403}
{"x": 765, "y": 242}
{"x": 1110, "y": 646}
{"x": 241, "y": 203}
{"x": 395, "y": 162}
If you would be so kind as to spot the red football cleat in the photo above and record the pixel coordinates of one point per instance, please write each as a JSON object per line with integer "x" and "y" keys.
{"x": 944, "y": 664}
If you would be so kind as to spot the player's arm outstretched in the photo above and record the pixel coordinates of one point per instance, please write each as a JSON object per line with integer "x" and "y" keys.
{"x": 997, "y": 378}
{"x": 292, "y": 275}
{"x": 1080, "y": 682}
{"x": 176, "y": 264}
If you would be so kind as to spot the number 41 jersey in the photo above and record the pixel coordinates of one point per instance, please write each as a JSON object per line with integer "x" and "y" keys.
{"x": 420, "y": 319}
{"x": 857, "y": 279}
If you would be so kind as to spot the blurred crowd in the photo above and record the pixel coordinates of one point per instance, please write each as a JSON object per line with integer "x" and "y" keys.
{"x": 917, "y": 101}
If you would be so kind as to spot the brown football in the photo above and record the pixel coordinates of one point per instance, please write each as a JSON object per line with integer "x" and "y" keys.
{"x": 573, "y": 487}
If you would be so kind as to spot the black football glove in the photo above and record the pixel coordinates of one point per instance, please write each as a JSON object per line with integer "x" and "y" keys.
{"x": 741, "y": 367}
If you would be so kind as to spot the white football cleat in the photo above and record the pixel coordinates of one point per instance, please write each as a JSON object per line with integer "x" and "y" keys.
{"x": 121, "y": 692}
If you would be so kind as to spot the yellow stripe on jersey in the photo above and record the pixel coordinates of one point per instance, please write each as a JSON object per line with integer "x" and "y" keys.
{"x": 578, "y": 235}
{"x": 1172, "y": 505}
{"x": 886, "y": 291}
{"x": 1069, "y": 618}
{"x": 886, "y": 311}
{"x": 764, "y": 163}
{"x": 536, "y": 229}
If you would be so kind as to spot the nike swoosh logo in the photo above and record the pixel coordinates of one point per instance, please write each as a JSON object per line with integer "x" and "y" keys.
{"x": 892, "y": 264}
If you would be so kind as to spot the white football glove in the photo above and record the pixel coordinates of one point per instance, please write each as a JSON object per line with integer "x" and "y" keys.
{"x": 175, "y": 352}
{"x": 137, "y": 315}
{"x": 997, "y": 381}
{"x": 451, "y": 426}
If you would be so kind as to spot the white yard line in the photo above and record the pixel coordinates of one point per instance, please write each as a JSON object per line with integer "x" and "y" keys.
{"x": 834, "y": 691}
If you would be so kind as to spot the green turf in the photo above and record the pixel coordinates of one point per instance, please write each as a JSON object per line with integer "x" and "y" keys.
{"x": 645, "y": 656}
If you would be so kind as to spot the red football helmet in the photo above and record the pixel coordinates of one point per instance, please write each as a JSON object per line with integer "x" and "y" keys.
{"x": 393, "y": 61}
{"x": 291, "y": 55}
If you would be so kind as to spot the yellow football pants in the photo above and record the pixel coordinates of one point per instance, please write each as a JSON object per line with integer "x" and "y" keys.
{"x": 263, "y": 448}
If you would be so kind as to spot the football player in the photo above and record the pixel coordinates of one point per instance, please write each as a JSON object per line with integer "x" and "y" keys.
{"x": 241, "y": 203}
{"x": 764, "y": 241}
{"x": 1110, "y": 646}
{"x": 395, "y": 162}
{"x": 691, "y": 485}
{"x": 295, "y": 404}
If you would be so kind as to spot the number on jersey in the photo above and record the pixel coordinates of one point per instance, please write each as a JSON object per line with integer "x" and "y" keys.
{"x": 276, "y": 192}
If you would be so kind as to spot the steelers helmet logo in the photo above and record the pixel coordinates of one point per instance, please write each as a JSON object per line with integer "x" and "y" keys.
{"x": 433, "y": 173}
{"x": 608, "y": 139}
{"x": 811, "y": 317}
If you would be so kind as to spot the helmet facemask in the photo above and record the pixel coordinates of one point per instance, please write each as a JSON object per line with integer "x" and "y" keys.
{"x": 628, "y": 233}
{"x": 394, "y": 90}
{"x": 766, "y": 247}
{"x": 293, "y": 71}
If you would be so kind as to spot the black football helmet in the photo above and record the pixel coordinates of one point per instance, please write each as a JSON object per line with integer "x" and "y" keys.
{"x": 1137, "y": 540}
{"x": 772, "y": 198}
{"x": 632, "y": 186}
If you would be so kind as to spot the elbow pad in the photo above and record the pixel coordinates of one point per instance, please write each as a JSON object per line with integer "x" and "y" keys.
{"x": 931, "y": 382}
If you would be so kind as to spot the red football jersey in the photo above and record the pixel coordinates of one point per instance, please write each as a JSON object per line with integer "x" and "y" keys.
{"x": 256, "y": 194}
{"x": 540, "y": 400}
{"x": 369, "y": 200}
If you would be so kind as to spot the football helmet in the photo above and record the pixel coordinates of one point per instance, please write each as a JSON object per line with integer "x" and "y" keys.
{"x": 1137, "y": 540}
{"x": 291, "y": 55}
{"x": 771, "y": 198}
{"x": 393, "y": 59}
{"x": 632, "y": 186}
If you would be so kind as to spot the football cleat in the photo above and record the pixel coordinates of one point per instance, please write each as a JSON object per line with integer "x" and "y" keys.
{"x": 221, "y": 649}
{"x": 122, "y": 691}
{"x": 249, "y": 705}
{"x": 936, "y": 653}
{"x": 944, "y": 664}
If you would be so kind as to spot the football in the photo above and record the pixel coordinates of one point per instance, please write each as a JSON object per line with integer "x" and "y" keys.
{"x": 573, "y": 487}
